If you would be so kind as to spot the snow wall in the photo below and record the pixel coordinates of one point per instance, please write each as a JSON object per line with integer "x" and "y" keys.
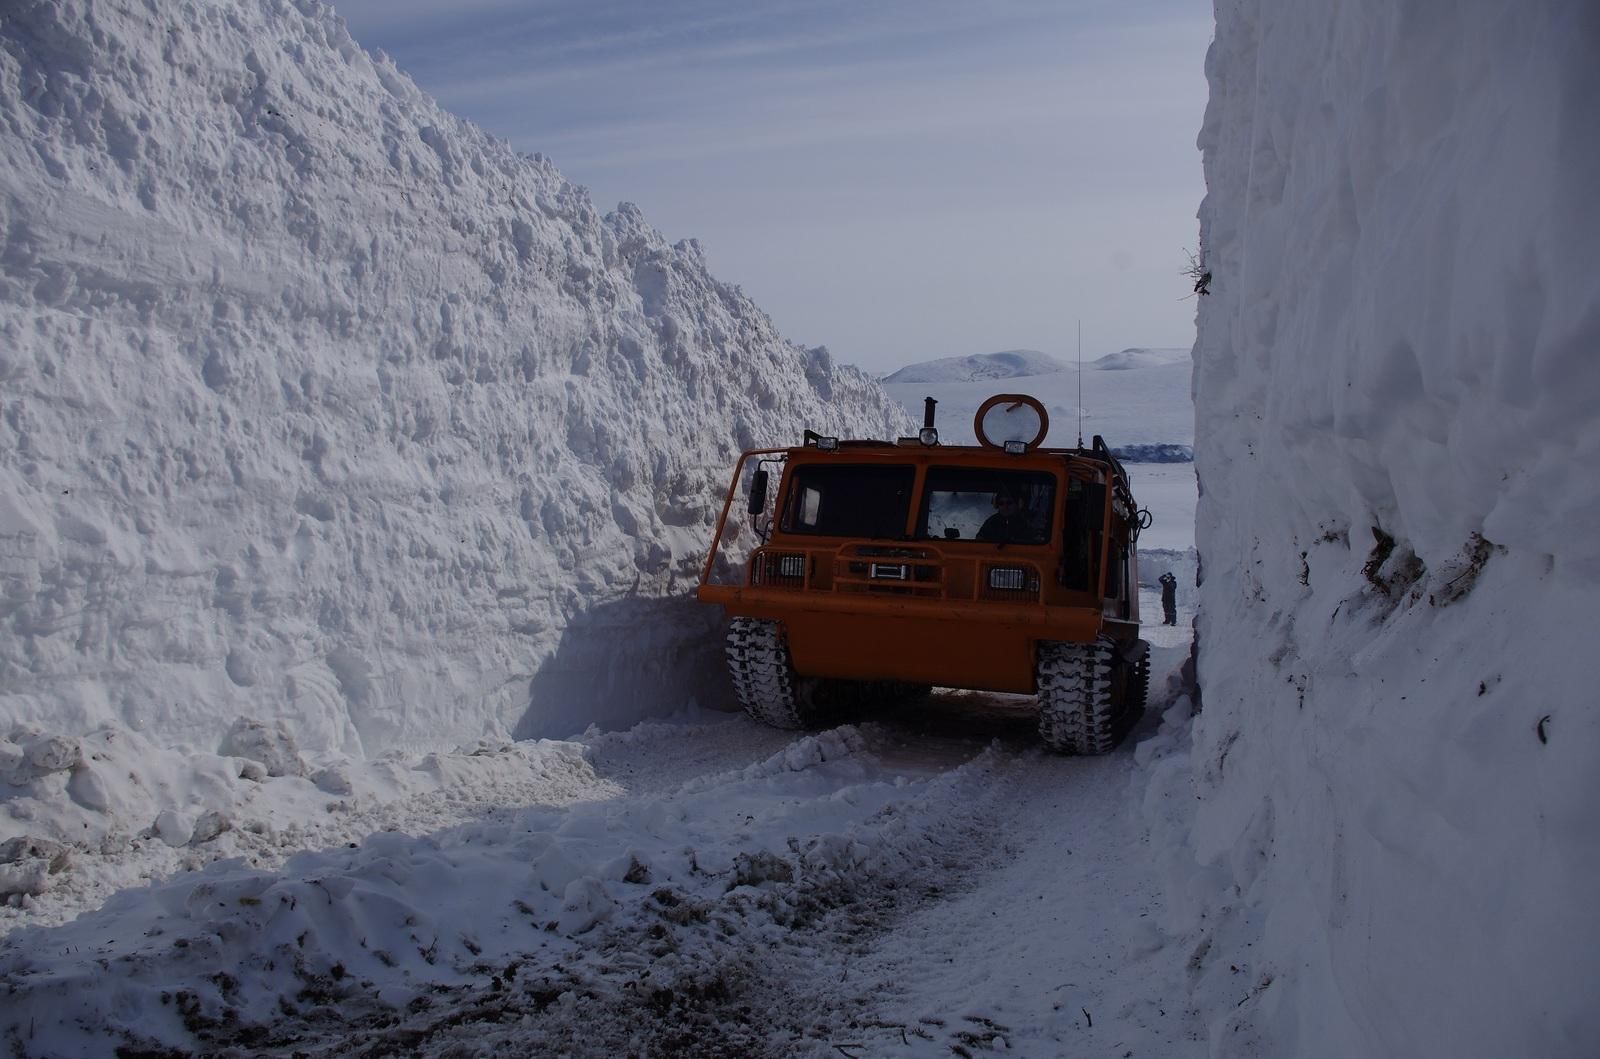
{"x": 1397, "y": 376}
{"x": 320, "y": 405}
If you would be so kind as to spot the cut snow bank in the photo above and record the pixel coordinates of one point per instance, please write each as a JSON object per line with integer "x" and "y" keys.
{"x": 321, "y": 407}
{"x": 1396, "y": 438}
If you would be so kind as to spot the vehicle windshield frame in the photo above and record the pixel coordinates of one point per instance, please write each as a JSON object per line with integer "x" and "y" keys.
{"x": 869, "y": 500}
{"x": 982, "y": 488}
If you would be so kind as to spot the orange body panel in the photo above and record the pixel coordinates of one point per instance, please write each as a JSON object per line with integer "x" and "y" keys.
{"x": 922, "y": 610}
{"x": 984, "y": 646}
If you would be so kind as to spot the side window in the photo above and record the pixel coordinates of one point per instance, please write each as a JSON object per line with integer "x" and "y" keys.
{"x": 810, "y": 504}
{"x": 1114, "y": 567}
{"x": 1080, "y": 543}
{"x": 848, "y": 500}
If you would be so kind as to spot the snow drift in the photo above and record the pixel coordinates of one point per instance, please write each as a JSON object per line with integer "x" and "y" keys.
{"x": 1400, "y": 525}
{"x": 321, "y": 406}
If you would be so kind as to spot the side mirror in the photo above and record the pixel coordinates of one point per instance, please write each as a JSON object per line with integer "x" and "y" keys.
{"x": 758, "y": 492}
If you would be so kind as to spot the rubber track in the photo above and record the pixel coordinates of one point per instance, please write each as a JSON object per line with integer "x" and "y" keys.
{"x": 1139, "y": 691}
{"x": 763, "y": 678}
{"x": 1077, "y": 710}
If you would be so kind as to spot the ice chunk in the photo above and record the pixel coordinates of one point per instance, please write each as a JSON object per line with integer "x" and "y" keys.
{"x": 272, "y": 745}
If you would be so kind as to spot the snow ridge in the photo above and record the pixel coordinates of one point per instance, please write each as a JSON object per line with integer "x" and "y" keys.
{"x": 979, "y": 367}
{"x": 1129, "y": 359}
{"x": 322, "y": 406}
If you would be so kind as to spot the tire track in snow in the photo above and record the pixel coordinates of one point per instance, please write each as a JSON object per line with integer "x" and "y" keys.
{"x": 1046, "y": 945}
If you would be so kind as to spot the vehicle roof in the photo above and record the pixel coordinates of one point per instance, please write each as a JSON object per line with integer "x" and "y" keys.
{"x": 961, "y": 455}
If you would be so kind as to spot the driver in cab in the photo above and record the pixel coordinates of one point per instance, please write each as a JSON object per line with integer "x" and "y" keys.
{"x": 1009, "y": 521}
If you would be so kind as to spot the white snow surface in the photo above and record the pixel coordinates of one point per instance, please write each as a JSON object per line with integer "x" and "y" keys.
{"x": 322, "y": 407}
{"x": 1395, "y": 761}
{"x": 702, "y": 887}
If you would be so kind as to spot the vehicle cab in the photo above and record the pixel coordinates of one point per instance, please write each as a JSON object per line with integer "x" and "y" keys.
{"x": 931, "y": 564}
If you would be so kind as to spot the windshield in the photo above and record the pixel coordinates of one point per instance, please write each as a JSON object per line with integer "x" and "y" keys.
{"x": 1002, "y": 507}
{"x": 849, "y": 500}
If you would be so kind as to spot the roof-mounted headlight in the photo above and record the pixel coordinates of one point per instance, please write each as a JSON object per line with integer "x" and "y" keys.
{"x": 928, "y": 436}
{"x": 1016, "y": 448}
{"x": 827, "y": 444}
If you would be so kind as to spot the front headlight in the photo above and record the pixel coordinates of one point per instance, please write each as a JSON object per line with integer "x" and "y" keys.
{"x": 1008, "y": 579}
{"x": 779, "y": 570}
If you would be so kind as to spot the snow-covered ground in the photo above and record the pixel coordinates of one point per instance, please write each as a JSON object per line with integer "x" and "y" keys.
{"x": 908, "y": 885}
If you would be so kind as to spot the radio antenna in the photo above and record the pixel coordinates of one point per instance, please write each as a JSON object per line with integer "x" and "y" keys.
{"x": 1080, "y": 384}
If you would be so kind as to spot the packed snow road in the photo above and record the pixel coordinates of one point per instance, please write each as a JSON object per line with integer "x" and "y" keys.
{"x": 932, "y": 884}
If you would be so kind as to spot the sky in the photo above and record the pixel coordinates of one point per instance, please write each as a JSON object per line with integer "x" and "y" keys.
{"x": 897, "y": 181}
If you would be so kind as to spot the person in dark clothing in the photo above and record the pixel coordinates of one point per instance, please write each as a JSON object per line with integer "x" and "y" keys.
{"x": 1169, "y": 598}
{"x": 1009, "y": 521}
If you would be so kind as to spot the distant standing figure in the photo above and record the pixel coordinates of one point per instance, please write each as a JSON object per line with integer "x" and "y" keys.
{"x": 1169, "y": 597}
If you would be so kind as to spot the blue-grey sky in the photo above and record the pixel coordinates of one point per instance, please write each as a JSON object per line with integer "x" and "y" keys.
{"x": 897, "y": 180}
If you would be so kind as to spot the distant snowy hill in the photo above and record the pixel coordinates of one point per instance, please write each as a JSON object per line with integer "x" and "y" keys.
{"x": 979, "y": 367}
{"x": 1129, "y": 359}
{"x": 1025, "y": 363}
{"x": 1136, "y": 398}
{"x": 323, "y": 406}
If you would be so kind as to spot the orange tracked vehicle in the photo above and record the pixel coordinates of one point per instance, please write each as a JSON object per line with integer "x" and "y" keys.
{"x": 883, "y": 568}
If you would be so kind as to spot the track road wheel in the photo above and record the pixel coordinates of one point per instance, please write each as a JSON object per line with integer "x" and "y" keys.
{"x": 764, "y": 679}
{"x": 1090, "y": 694}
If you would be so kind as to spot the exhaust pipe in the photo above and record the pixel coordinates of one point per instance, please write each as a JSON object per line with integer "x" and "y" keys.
{"x": 928, "y": 435}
